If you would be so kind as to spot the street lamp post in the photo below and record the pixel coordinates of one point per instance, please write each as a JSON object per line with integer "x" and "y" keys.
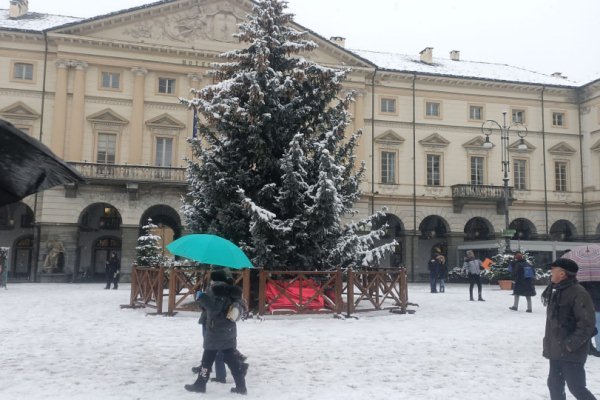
{"x": 487, "y": 128}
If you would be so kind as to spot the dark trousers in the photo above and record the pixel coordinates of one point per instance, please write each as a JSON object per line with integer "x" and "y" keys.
{"x": 111, "y": 278}
{"x": 573, "y": 374}
{"x": 220, "y": 372}
{"x": 232, "y": 361}
{"x": 474, "y": 279}
{"x": 433, "y": 282}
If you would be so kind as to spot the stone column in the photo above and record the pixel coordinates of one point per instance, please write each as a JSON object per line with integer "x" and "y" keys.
{"x": 59, "y": 116}
{"x": 136, "y": 135}
{"x": 129, "y": 236}
{"x": 76, "y": 127}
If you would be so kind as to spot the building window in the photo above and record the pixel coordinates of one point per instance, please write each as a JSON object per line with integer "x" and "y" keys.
{"x": 23, "y": 71}
{"x": 166, "y": 85}
{"x": 388, "y": 105}
{"x": 107, "y": 148}
{"x": 164, "y": 152}
{"x": 433, "y": 170}
{"x": 560, "y": 176}
{"x": 558, "y": 119}
{"x": 111, "y": 80}
{"x": 432, "y": 109}
{"x": 388, "y": 167}
{"x": 475, "y": 113}
{"x": 476, "y": 170}
{"x": 520, "y": 174}
{"x": 518, "y": 116}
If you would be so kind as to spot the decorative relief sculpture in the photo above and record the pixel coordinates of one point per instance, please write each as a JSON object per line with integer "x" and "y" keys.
{"x": 55, "y": 257}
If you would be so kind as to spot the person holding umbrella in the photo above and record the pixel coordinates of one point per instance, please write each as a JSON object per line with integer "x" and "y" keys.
{"x": 220, "y": 331}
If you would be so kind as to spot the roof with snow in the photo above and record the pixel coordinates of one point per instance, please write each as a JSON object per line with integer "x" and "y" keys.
{"x": 33, "y": 21}
{"x": 461, "y": 69}
{"x": 38, "y": 22}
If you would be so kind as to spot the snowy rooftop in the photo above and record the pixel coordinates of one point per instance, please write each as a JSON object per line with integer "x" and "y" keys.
{"x": 33, "y": 21}
{"x": 462, "y": 68}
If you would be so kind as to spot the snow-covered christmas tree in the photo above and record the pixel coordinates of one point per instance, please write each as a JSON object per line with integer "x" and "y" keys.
{"x": 274, "y": 170}
{"x": 148, "y": 250}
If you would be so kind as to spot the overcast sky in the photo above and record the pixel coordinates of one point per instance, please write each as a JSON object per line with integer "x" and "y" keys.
{"x": 541, "y": 35}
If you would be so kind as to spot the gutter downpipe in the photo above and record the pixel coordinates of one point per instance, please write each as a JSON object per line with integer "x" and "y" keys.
{"x": 545, "y": 166}
{"x": 581, "y": 161}
{"x": 38, "y": 229}
{"x": 373, "y": 141}
{"x": 414, "y": 143}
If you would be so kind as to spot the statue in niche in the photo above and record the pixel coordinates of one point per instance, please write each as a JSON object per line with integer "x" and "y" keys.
{"x": 54, "y": 261}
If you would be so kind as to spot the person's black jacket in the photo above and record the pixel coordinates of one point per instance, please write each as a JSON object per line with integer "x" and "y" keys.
{"x": 523, "y": 286}
{"x": 570, "y": 322}
{"x": 220, "y": 333}
{"x": 593, "y": 288}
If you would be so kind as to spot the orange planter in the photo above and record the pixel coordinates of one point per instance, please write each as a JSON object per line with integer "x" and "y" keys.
{"x": 505, "y": 284}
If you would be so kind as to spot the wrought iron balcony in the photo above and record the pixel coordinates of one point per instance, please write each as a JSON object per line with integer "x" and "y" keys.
{"x": 111, "y": 173}
{"x": 464, "y": 194}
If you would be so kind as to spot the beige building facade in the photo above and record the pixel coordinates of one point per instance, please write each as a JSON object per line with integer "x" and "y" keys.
{"x": 103, "y": 93}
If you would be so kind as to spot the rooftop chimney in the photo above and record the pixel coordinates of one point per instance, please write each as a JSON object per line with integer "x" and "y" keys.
{"x": 559, "y": 75}
{"x": 455, "y": 55}
{"x": 427, "y": 55}
{"x": 18, "y": 8}
{"x": 340, "y": 41}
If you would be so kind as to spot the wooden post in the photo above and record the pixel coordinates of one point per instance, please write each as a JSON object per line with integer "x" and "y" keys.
{"x": 158, "y": 294}
{"x": 134, "y": 285}
{"x": 350, "y": 292}
{"x": 172, "y": 290}
{"x": 403, "y": 291}
{"x": 262, "y": 284}
{"x": 339, "y": 302}
{"x": 246, "y": 285}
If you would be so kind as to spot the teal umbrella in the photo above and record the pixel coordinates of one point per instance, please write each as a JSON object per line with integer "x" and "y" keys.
{"x": 210, "y": 249}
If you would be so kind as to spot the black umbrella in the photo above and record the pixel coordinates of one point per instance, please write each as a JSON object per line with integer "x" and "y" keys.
{"x": 27, "y": 166}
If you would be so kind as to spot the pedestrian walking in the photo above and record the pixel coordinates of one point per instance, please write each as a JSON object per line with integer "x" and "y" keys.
{"x": 593, "y": 288}
{"x": 220, "y": 303}
{"x": 523, "y": 274}
{"x": 570, "y": 323}
{"x": 442, "y": 273}
{"x": 113, "y": 271}
{"x": 434, "y": 270}
{"x": 3, "y": 272}
{"x": 472, "y": 268}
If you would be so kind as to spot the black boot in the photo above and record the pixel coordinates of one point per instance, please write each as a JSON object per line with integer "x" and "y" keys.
{"x": 480, "y": 298}
{"x": 200, "y": 385}
{"x": 593, "y": 351}
{"x": 240, "y": 380}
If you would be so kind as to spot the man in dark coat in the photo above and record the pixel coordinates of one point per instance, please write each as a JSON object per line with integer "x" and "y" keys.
{"x": 570, "y": 323}
{"x": 220, "y": 331}
{"x": 113, "y": 270}
{"x": 523, "y": 274}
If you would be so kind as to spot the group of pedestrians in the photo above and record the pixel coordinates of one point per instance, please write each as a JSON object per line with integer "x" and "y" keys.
{"x": 572, "y": 318}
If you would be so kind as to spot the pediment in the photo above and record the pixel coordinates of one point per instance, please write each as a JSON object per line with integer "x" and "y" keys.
{"x": 514, "y": 146}
{"x": 165, "y": 121}
{"x": 389, "y": 138}
{"x": 475, "y": 144}
{"x": 107, "y": 116}
{"x": 19, "y": 111}
{"x": 562, "y": 149}
{"x": 196, "y": 26}
{"x": 434, "y": 140}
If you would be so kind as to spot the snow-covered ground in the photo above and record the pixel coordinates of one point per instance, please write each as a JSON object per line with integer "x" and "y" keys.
{"x": 73, "y": 341}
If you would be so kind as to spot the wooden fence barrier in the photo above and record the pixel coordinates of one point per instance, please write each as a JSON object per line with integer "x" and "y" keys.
{"x": 342, "y": 291}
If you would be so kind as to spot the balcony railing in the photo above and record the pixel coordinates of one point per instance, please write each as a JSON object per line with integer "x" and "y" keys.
{"x": 130, "y": 173}
{"x": 464, "y": 194}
